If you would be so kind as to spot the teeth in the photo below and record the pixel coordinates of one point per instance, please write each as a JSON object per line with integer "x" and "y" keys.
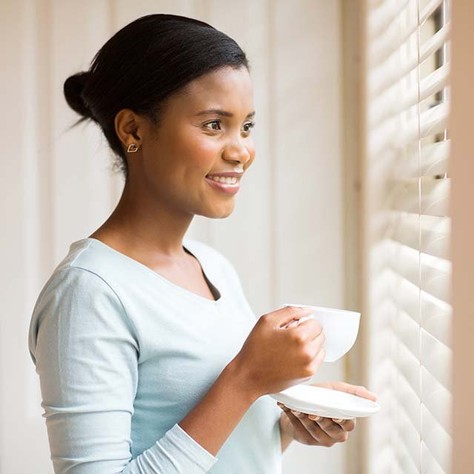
{"x": 224, "y": 179}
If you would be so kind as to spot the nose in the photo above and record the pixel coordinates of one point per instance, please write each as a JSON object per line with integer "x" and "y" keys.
{"x": 238, "y": 151}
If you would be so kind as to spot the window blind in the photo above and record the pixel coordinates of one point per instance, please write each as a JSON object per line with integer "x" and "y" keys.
{"x": 407, "y": 228}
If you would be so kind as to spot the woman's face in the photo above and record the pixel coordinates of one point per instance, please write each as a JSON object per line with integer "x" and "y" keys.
{"x": 193, "y": 160}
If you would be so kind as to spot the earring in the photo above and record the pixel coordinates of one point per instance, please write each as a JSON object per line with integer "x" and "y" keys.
{"x": 132, "y": 148}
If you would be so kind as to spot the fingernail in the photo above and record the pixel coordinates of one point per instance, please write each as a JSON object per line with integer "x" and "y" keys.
{"x": 296, "y": 413}
{"x": 337, "y": 420}
{"x": 314, "y": 417}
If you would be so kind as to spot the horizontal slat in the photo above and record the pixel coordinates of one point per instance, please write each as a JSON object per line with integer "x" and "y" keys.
{"x": 433, "y": 43}
{"x": 437, "y": 399}
{"x": 408, "y": 398}
{"x": 430, "y": 274}
{"x": 383, "y": 457}
{"x": 431, "y": 241}
{"x": 408, "y": 333}
{"x": 383, "y": 381}
{"x": 384, "y": 139}
{"x": 397, "y": 32}
{"x": 436, "y": 358}
{"x": 434, "y": 158}
{"x": 429, "y": 461}
{"x": 429, "y": 161}
{"x": 436, "y": 318}
{"x": 434, "y": 82}
{"x": 433, "y": 315}
{"x": 381, "y": 17}
{"x": 405, "y": 463}
{"x": 429, "y": 9}
{"x": 427, "y": 196}
{"x": 416, "y": 222}
{"x": 436, "y": 445}
{"x": 429, "y": 122}
{"x": 396, "y": 134}
{"x": 389, "y": 32}
{"x": 406, "y": 296}
{"x": 408, "y": 437}
{"x": 393, "y": 69}
{"x": 435, "y": 278}
{"x": 397, "y": 98}
{"x": 408, "y": 366}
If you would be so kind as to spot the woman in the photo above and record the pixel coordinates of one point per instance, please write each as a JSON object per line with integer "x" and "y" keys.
{"x": 148, "y": 354}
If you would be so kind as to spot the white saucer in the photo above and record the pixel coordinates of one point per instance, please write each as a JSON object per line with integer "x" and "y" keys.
{"x": 326, "y": 402}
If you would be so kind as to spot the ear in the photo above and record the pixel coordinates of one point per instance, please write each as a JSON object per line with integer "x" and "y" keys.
{"x": 127, "y": 127}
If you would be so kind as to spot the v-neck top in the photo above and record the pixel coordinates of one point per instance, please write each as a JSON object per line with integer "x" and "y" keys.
{"x": 123, "y": 354}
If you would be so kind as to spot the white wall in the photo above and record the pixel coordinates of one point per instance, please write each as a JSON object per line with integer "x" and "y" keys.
{"x": 285, "y": 237}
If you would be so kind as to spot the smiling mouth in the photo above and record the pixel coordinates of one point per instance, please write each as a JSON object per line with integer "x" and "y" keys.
{"x": 226, "y": 184}
{"x": 231, "y": 181}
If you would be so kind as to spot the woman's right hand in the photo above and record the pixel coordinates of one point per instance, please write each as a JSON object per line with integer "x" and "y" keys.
{"x": 279, "y": 352}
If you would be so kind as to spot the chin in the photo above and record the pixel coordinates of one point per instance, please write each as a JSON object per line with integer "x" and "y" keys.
{"x": 221, "y": 213}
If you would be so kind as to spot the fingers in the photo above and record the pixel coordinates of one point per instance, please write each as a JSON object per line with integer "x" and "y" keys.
{"x": 318, "y": 360}
{"x": 301, "y": 434}
{"x": 333, "y": 425}
{"x": 306, "y": 329}
{"x": 357, "y": 390}
{"x": 337, "y": 432}
{"x": 297, "y": 321}
{"x": 311, "y": 328}
{"x": 284, "y": 316}
{"x": 346, "y": 425}
{"x": 313, "y": 429}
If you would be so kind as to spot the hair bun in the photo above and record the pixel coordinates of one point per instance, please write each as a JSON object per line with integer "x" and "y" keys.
{"x": 74, "y": 94}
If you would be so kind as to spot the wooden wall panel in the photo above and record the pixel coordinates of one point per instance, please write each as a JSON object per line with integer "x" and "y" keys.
{"x": 285, "y": 237}
{"x": 21, "y": 428}
{"x": 307, "y": 137}
{"x": 462, "y": 198}
{"x": 246, "y": 236}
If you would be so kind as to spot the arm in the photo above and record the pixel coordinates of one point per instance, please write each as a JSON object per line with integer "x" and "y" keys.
{"x": 271, "y": 359}
{"x": 86, "y": 354}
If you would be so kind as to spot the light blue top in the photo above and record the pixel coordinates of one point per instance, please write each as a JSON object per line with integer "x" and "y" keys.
{"x": 123, "y": 355}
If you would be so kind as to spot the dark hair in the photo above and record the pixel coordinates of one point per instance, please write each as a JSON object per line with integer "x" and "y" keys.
{"x": 143, "y": 64}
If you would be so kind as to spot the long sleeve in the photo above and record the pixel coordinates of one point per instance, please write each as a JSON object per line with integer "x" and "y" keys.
{"x": 86, "y": 353}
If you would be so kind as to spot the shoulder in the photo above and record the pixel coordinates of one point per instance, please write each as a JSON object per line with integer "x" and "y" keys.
{"x": 80, "y": 272}
{"x": 75, "y": 300}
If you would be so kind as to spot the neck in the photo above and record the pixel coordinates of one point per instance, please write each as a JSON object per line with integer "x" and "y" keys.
{"x": 140, "y": 225}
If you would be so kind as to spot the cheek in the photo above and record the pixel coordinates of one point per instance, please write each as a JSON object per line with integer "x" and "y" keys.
{"x": 251, "y": 152}
{"x": 200, "y": 150}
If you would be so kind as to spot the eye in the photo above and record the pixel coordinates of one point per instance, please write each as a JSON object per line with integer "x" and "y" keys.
{"x": 213, "y": 125}
{"x": 248, "y": 126}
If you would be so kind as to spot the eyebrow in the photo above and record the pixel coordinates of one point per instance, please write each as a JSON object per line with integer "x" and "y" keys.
{"x": 222, "y": 113}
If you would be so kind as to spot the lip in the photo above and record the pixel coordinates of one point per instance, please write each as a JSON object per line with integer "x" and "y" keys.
{"x": 225, "y": 188}
{"x": 227, "y": 174}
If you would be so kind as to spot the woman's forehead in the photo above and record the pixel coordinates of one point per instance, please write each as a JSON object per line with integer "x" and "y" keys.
{"x": 227, "y": 86}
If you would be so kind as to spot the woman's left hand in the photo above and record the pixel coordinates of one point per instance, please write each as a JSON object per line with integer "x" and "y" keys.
{"x": 315, "y": 430}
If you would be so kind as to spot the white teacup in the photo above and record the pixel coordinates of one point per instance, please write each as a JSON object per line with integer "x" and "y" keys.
{"x": 340, "y": 328}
